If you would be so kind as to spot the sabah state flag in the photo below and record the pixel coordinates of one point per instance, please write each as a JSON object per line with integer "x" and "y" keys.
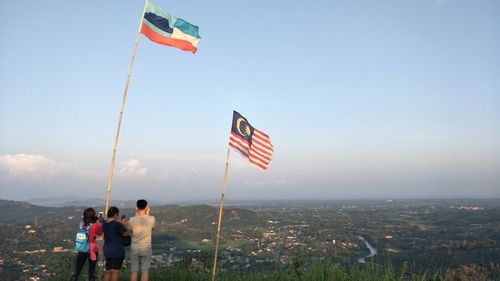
{"x": 162, "y": 28}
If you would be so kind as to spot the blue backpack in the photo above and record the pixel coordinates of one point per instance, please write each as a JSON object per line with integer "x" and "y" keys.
{"x": 82, "y": 239}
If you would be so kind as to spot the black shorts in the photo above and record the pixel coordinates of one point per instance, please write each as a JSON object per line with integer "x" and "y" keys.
{"x": 114, "y": 263}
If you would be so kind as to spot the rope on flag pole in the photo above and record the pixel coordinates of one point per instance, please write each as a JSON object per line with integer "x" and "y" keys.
{"x": 223, "y": 189}
{"x": 124, "y": 98}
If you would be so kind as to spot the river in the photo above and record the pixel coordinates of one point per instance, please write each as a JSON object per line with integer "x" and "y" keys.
{"x": 373, "y": 251}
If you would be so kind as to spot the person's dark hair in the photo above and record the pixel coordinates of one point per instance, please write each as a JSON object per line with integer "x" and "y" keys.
{"x": 113, "y": 211}
{"x": 89, "y": 215}
{"x": 142, "y": 204}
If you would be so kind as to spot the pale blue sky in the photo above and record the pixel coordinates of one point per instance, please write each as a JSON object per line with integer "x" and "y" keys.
{"x": 362, "y": 99}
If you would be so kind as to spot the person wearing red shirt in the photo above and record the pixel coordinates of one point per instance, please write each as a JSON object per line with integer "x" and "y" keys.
{"x": 94, "y": 227}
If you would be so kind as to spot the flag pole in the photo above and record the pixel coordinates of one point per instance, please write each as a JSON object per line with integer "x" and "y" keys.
{"x": 124, "y": 98}
{"x": 223, "y": 189}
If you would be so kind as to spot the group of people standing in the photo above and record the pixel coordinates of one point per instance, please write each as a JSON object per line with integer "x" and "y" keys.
{"x": 118, "y": 233}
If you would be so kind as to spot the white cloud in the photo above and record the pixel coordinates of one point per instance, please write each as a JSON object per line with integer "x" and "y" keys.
{"x": 30, "y": 166}
{"x": 268, "y": 183}
{"x": 162, "y": 173}
{"x": 26, "y": 175}
{"x": 33, "y": 168}
{"x": 239, "y": 162}
{"x": 132, "y": 168}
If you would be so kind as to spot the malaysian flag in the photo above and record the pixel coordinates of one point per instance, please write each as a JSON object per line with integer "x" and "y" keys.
{"x": 251, "y": 143}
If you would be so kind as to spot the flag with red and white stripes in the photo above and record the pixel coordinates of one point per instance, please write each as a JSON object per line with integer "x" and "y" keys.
{"x": 251, "y": 143}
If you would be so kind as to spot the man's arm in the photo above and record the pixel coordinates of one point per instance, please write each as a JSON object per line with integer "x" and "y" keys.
{"x": 129, "y": 226}
{"x": 123, "y": 227}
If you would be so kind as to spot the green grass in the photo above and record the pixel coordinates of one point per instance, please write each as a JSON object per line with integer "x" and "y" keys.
{"x": 317, "y": 272}
{"x": 297, "y": 272}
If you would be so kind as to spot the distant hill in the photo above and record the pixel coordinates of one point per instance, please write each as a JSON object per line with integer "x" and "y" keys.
{"x": 24, "y": 212}
{"x": 196, "y": 216}
{"x": 88, "y": 202}
{"x": 205, "y": 216}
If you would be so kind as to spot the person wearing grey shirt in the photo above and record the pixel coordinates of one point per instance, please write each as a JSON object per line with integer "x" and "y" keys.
{"x": 140, "y": 227}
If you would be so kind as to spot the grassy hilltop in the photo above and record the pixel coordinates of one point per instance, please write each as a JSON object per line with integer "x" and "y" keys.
{"x": 415, "y": 240}
{"x": 312, "y": 272}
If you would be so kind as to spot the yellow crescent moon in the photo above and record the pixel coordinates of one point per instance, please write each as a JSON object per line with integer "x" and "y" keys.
{"x": 238, "y": 122}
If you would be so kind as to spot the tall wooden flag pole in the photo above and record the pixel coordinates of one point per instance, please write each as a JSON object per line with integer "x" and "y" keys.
{"x": 124, "y": 98}
{"x": 252, "y": 144}
{"x": 223, "y": 189}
